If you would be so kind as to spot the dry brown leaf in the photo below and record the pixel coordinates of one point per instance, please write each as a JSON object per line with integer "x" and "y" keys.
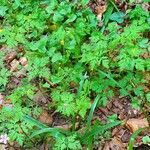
{"x": 23, "y": 61}
{"x": 126, "y": 136}
{"x": 40, "y": 97}
{"x": 65, "y": 127}
{"x": 45, "y": 117}
{"x": 14, "y": 65}
{"x": 114, "y": 144}
{"x": 1, "y": 96}
{"x": 21, "y": 73}
{"x": 1, "y": 99}
{"x": 11, "y": 56}
{"x": 106, "y": 146}
{"x": 134, "y": 124}
{"x": 146, "y": 7}
{"x": 100, "y": 10}
{"x": 2, "y": 147}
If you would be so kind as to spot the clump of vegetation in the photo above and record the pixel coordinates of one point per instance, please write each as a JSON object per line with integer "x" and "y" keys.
{"x": 70, "y": 58}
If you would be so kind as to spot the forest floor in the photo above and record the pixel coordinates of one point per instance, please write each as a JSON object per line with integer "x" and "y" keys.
{"x": 132, "y": 119}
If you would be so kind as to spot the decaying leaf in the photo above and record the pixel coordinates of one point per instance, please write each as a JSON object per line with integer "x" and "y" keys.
{"x": 40, "y": 97}
{"x": 134, "y": 124}
{"x": 100, "y": 10}
{"x": 10, "y": 56}
{"x": 1, "y": 99}
{"x": 65, "y": 127}
{"x": 45, "y": 117}
{"x": 2, "y": 147}
{"x": 14, "y": 65}
{"x": 23, "y": 61}
{"x": 21, "y": 73}
{"x": 114, "y": 144}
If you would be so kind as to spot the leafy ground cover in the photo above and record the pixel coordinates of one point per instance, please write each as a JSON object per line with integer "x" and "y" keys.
{"x": 74, "y": 74}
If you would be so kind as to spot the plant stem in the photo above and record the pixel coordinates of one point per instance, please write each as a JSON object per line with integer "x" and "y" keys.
{"x": 74, "y": 123}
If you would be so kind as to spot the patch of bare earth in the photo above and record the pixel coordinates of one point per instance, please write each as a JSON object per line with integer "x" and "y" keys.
{"x": 133, "y": 120}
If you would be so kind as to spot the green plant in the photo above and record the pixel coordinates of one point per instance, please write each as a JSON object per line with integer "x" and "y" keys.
{"x": 69, "y": 142}
{"x": 146, "y": 139}
{"x": 11, "y": 120}
{"x": 4, "y": 73}
{"x": 133, "y": 137}
{"x": 77, "y": 64}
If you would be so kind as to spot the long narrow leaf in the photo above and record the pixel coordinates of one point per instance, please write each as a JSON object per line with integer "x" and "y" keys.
{"x": 83, "y": 78}
{"x": 89, "y": 119}
{"x": 113, "y": 3}
{"x": 133, "y": 137}
{"x": 35, "y": 122}
{"x": 52, "y": 131}
{"x": 107, "y": 15}
{"x": 110, "y": 78}
{"x": 100, "y": 129}
{"x": 44, "y": 128}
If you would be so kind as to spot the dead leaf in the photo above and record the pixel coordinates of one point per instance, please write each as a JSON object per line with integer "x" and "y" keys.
{"x": 106, "y": 146}
{"x": 126, "y": 136}
{"x": 40, "y": 97}
{"x": 14, "y": 65}
{"x": 65, "y": 127}
{"x": 1, "y": 96}
{"x": 146, "y": 7}
{"x": 44, "y": 146}
{"x": 45, "y": 117}
{"x": 14, "y": 82}
{"x": 100, "y": 10}
{"x": 1, "y": 99}
{"x": 114, "y": 144}
{"x": 10, "y": 57}
{"x": 117, "y": 104}
{"x": 72, "y": 84}
{"x": 2, "y": 147}
{"x": 23, "y": 61}
{"x": 21, "y": 73}
{"x": 134, "y": 124}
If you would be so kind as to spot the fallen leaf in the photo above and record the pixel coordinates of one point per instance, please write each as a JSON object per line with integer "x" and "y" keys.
{"x": 100, "y": 10}
{"x": 1, "y": 99}
{"x": 23, "y": 61}
{"x": 2, "y": 147}
{"x": 11, "y": 56}
{"x": 65, "y": 127}
{"x": 114, "y": 144}
{"x": 21, "y": 73}
{"x": 106, "y": 146}
{"x": 45, "y": 117}
{"x": 14, "y": 65}
{"x": 126, "y": 136}
{"x": 134, "y": 124}
{"x": 13, "y": 83}
{"x": 40, "y": 97}
{"x": 146, "y": 7}
{"x": 117, "y": 104}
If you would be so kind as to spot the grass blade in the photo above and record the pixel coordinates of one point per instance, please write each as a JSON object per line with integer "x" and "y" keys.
{"x": 55, "y": 132}
{"x": 107, "y": 15}
{"x": 52, "y": 131}
{"x": 35, "y": 122}
{"x": 110, "y": 78}
{"x": 90, "y": 116}
{"x": 133, "y": 137}
{"x": 111, "y": 1}
{"x": 99, "y": 129}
